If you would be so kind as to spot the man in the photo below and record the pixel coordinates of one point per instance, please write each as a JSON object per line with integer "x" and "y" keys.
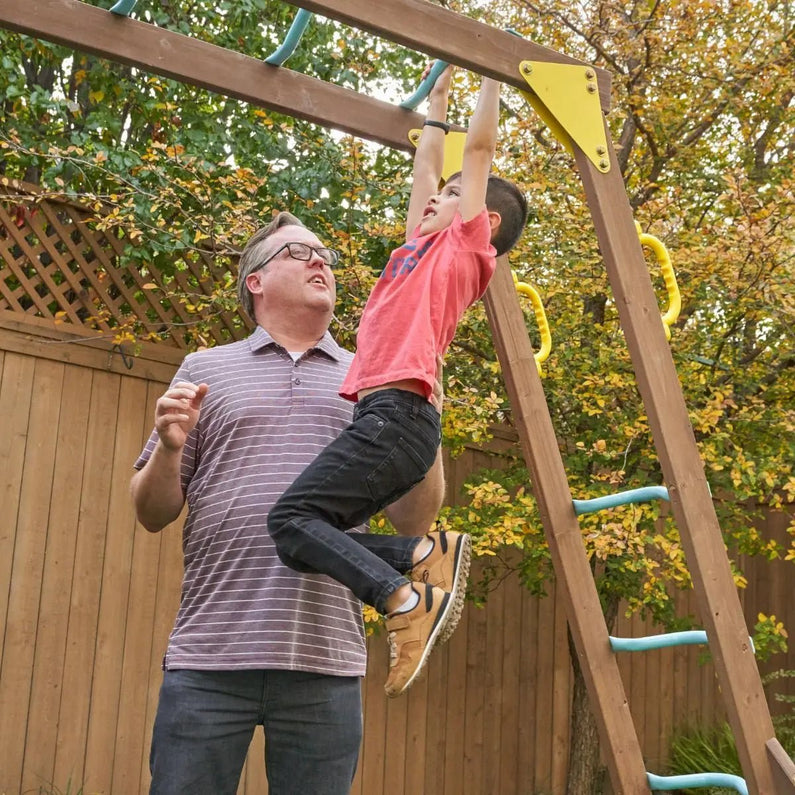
{"x": 255, "y": 642}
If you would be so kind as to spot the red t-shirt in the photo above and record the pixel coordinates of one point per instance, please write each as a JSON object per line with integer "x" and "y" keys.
{"x": 414, "y": 308}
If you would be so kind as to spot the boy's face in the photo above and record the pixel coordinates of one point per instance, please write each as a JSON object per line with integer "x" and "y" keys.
{"x": 441, "y": 208}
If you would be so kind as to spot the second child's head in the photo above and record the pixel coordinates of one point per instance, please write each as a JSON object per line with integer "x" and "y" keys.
{"x": 506, "y": 205}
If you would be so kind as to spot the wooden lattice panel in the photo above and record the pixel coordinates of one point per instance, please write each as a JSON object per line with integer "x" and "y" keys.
{"x": 55, "y": 264}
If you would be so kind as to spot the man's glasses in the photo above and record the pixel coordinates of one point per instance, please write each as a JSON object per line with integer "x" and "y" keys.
{"x": 303, "y": 252}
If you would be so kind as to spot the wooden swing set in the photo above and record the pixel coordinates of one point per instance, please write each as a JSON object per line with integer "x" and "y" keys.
{"x": 572, "y": 97}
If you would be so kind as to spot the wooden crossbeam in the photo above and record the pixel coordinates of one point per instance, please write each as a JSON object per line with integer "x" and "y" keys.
{"x": 425, "y": 27}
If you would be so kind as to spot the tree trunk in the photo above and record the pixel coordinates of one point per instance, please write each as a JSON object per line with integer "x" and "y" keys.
{"x": 586, "y": 775}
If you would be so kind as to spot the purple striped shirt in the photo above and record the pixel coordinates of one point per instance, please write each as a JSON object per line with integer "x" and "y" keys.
{"x": 264, "y": 418}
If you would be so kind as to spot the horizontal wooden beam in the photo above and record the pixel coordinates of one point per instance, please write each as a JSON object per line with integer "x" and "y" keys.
{"x": 70, "y": 344}
{"x": 199, "y": 63}
{"x": 425, "y": 27}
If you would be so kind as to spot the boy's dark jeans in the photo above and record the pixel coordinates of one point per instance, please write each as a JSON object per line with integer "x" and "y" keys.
{"x": 389, "y": 447}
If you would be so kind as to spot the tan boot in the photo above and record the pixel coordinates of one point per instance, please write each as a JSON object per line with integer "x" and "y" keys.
{"x": 412, "y": 636}
{"x": 447, "y": 567}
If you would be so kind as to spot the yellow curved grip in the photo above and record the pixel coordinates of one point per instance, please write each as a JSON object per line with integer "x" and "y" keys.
{"x": 541, "y": 320}
{"x": 664, "y": 260}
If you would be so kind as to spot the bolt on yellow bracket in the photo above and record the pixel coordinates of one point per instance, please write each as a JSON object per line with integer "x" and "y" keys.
{"x": 664, "y": 261}
{"x": 541, "y": 319}
{"x": 453, "y": 150}
{"x": 566, "y": 96}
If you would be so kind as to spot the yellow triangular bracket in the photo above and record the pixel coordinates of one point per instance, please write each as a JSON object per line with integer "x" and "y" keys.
{"x": 566, "y": 96}
{"x": 453, "y": 150}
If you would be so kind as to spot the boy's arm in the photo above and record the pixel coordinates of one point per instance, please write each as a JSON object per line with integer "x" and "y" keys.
{"x": 479, "y": 149}
{"x": 429, "y": 157}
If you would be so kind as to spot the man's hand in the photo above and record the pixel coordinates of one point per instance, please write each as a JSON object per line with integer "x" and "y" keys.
{"x": 177, "y": 412}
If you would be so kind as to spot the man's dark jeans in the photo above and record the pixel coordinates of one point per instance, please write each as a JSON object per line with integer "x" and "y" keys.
{"x": 389, "y": 447}
{"x": 206, "y": 719}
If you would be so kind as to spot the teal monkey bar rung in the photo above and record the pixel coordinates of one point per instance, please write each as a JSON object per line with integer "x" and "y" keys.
{"x": 698, "y": 780}
{"x": 425, "y": 86}
{"x": 123, "y": 7}
{"x": 646, "y": 494}
{"x": 692, "y": 637}
{"x": 287, "y": 47}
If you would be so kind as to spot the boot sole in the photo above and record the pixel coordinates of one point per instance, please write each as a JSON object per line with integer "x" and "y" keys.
{"x": 441, "y": 622}
{"x": 459, "y": 592}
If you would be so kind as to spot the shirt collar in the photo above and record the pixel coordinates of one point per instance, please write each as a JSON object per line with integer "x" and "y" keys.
{"x": 260, "y": 339}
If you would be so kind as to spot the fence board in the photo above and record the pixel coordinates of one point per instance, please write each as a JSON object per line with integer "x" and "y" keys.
{"x": 509, "y": 715}
{"x": 544, "y": 699}
{"x": 26, "y": 575}
{"x": 47, "y": 685}
{"x": 15, "y": 406}
{"x": 437, "y": 729}
{"x": 492, "y": 687}
{"x": 89, "y": 552}
{"x": 561, "y": 695}
{"x": 114, "y": 594}
{"x": 527, "y": 693}
{"x": 374, "y": 742}
{"x": 475, "y": 694}
{"x": 395, "y": 751}
{"x": 458, "y": 706}
{"x": 416, "y": 757}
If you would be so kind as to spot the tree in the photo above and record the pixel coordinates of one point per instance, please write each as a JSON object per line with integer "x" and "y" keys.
{"x": 702, "y": 121}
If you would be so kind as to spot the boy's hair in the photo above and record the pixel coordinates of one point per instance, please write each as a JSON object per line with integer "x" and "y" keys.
{"x": 503, "y": 197}
{"x": 255, "y": 251}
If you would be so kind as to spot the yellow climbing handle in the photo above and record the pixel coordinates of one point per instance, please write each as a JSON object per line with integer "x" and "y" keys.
{"x": 541, "y": 319}
{"x": 664, "y": 260}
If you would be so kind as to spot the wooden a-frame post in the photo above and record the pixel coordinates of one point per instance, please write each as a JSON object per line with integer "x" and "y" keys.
{"x": 416, "y": 24}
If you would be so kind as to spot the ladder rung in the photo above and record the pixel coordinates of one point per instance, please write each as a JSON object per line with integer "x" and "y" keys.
{"x": 698, "y": 780}
{"x": 692, "y": 637}
{"x": 646, "y": 494}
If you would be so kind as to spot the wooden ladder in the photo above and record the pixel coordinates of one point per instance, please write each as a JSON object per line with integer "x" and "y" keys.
{"x": 766, "y": 767}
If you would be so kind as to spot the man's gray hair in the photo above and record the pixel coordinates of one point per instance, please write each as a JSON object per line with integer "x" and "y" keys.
{"x": 256, "y": 250}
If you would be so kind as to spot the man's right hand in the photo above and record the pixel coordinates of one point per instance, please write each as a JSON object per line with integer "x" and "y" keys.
{"x": 177, "y": 412}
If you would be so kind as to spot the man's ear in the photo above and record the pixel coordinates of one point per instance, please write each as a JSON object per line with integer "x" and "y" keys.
{"x": 253, "y": 283}
{"x": 495, "y": 219}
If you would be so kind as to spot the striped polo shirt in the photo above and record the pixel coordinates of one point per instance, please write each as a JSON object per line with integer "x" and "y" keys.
{"x": 264, "y": 418}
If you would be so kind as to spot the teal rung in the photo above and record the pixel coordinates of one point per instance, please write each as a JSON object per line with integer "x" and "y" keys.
{"x": 692, "y": 637}
{"x": 698, "y": 780}
{"x": 287, "y": 47}
{"x": 123, "y": 7}
{"x": 425, "y": 86}
{"x": 646, "y": 494}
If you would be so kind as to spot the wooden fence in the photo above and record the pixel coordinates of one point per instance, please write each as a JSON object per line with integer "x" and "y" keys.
{"x": 87, "y": 600}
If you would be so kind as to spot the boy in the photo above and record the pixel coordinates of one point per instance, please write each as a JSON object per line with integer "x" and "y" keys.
{"x": 409, "y": 321}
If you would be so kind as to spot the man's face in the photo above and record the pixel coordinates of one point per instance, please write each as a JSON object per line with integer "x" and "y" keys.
{"x": 287, "y": 284}
{"x": 441, "y": 208}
